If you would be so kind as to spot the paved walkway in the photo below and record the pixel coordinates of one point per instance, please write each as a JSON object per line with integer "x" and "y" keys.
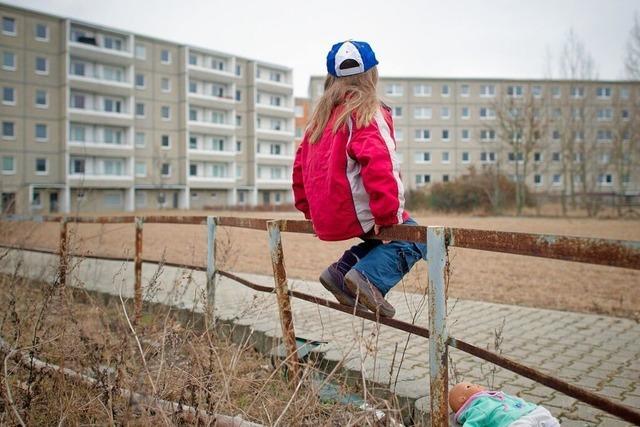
{"x": 597, "y": 352}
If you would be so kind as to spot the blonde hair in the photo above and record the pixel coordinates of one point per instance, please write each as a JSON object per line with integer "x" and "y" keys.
{"x": 358, "y": 95}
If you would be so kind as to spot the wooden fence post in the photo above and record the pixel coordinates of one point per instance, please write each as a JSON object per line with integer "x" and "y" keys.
{"x": 284, "y": 302}
{"x": 137, "y": 290}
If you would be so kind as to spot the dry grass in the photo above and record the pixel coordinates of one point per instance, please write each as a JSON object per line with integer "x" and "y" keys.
{"x": 163, "y": 358}
{"x": 476, "y": 275}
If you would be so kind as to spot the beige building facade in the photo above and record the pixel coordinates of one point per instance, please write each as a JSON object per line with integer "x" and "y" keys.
{"x": 443, "y": 127}
{"x": 99, "y": 119}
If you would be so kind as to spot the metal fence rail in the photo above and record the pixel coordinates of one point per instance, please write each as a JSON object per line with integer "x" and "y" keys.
{"x": 615, "y": 253}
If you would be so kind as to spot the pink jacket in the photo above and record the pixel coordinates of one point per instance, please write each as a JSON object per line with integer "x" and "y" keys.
{"x": 348, "y": 181}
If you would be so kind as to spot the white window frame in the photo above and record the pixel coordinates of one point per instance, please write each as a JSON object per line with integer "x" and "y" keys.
{"x": 136, "y": 143}
{"x": 445, "y": 109}
{"x": 12, "y": 171}
{"x": 486, "y": 93}
{"x": 538, "y": 184}
{"x": 422, "y": 138}
{"x": 445, "y": 93}
{"x": 4, "y": 102}
{"x": 15, "y": 61}
{"x": 35, "y": 132}
{"x": 418, "y": 157}
{"x": 442, "y": 157}
{"x": 168, "y": 61}
{"x": 165, "y": 108}
{"x": 46, "y": 66}
{"x": 442, "y": 137}
{"x": 168, "y": 174}
{"x": 465, "y": 90}
{"x": 462, "y": 159}
{"x": 144, "y": 81}
{"x": 462, "y": 137}
{"x": 168, "y": 80}
{"x": 394, "y": 86}
{"x": 8, "y": 137}
{"x": 46, "y": 99}
{"x": 428, "y": 110}
{"x": 46, "y": 31}
{"x": 165, "y": 147}
{"x": 138, "y": 174}
{"x": 554, "y": 182}
{"x": 144, "y": 110}
{"x": 140, "y": 48}
{"x": 46, "y": 166}
{"x": 15, "y": 27}
{"x": 422, "y": 93}
{"x": 468, "y": 115}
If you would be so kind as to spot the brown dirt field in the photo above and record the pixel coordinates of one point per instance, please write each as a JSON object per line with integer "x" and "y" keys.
{"x": 476, "y": 275}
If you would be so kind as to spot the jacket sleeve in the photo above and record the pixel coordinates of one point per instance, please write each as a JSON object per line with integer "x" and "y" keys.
{"x": 298, "y": 184}
{"x": 374, "y": 149}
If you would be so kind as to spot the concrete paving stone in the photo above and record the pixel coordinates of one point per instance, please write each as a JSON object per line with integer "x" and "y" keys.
{"x": 582, "y": 411}
{"x": 588, "y": 382}
{"x": 612, "y": 422}
{"x": 561, "y": 401}
{"x": 633, "y": 401}
{"x": 566, "y": 422}
{"x": 614, "y": 392}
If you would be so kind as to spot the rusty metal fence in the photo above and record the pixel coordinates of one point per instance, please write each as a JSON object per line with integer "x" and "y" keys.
{"x": 615, "y": 253}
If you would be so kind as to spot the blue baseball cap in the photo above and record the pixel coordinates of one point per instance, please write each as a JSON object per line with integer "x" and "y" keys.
{"x": 349, "y": 58}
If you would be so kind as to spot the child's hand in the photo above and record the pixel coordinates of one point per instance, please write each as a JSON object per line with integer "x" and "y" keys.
{"x": 376, "y": 231}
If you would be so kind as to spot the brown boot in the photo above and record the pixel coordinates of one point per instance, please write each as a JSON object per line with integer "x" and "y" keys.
{"x": 333, "y": 281}
{"x": 367, "y": 294}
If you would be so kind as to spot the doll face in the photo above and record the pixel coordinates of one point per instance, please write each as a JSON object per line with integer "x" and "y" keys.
{"x": 461, "y": 392}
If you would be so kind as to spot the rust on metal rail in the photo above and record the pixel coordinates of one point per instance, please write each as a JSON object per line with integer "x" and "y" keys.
{"x": 251, "y": 223}
{"x": 615, "y": 253}
{"x": 64, "y": 256}
{"x": 137, "y": 286}
{"x": 597, "y": 401}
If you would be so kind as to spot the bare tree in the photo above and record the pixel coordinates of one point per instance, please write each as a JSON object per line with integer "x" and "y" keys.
{"x": 577, "y": 138}
{"x": 521, "y": 124}
{"x": 632, "y": 56}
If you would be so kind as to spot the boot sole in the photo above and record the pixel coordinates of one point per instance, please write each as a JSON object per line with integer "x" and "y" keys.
{"x": 364, "y": 296}
{"x": 342, "y": 298}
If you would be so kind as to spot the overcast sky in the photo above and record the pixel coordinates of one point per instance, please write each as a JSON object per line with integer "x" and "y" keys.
{"x": 461, "y": 38}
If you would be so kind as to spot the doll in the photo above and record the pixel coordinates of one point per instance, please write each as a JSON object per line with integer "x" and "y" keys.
{"x": 475, "y": 406}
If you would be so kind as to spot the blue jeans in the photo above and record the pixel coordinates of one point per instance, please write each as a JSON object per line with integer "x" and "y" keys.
{"x": 385, "y": 264}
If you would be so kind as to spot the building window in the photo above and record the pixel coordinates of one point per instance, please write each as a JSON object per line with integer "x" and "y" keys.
{"x": 445, "y": 134}
{"x": 487, "y": 157}
{"x": 42, "y": 166}
{"x": 8, "y": 61}
{"x": 140, "y": 109}
{"x": 444, "y": 113}
{"x": 465, "y": 157}
{"x": 422, "y": 112}
{"x": 423, "y": 135}
{"x": 140, "y": 83}
{"x": 445, "y": 90}
{"x": 165, "y": 84}
{"x": 423, "y": 179}
{"x": 165, "y": 56}
{"x": 422, "y": 90}
{"x": 604, "y": 135}
{"x": 141, "y": 169}
{"x": 445, "y": 178}
{"x": 515, "y": 91}
{"x": 555, "y": 156}
{"x": 238, "y": 146}
{"x": 77, "y": 166}
{"x": 165, "y": 141}
{"x": 487, "y": 91}
{"x": 36, "y": 200}
{"x": 536, "y": 91}
{"x": 556, "y": 179}
{"x": 42, "y": 32}
{"x": 165, "y": 112}
{"x": 42, "y": 98}
{"x": 238, "y": 70}
{"x": 487, "y": 135}
{"x": 9, "y": 26}
{"x": 487, "y": 113}
{"x": 165, "y": 170}
{"x": 537, "y": 157}
{"x": 394, "y": 89}
{"x": 603, "y": 92}
{"x": 238, "y": 95}
{"x": 398, "y": 134}
{"x": 8, "y": 96}
{"x": 576, "y": 92}
{"x": 41, "y": 131}
{"x": 604, "y": 114}
{"x": 537, "y": 180}
{"x": 140, "y": 51}
{"x": 465, "y": 113}
{"x": 464, "y": 90}
{"x": 193, "y": 169}
{"x": 42, "y": 65}
{"x": 238, "y": 120}
{"x": 397, "y": 112}
{"x": 8, "y": 165}
{"x": 624, "y": 92}
{"x": 140, "y": 139}
{"x": 445, "y": 157}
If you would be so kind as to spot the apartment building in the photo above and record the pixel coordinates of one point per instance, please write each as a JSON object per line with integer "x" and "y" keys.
{"x": 302, "y": 116}
{"x": 445, "y": 126}
{"x": 96, "y": 118}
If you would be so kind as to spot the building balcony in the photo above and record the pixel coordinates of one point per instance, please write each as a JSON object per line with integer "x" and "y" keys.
{"x": 100, "y": 181}
{"x": 281, "y": 135}
{"x": 274, "y": 110}
{"x": 89, "y": 49}
{"x": 200, "y": 182}
{"x": 207, "y": 73}
{"x": 98, "y": 148}
{"x": 275, "y": 159}
{"x": 98, "y": 116}
{"x": 205, "y": 100}
{"x": 93, "y": 83}
{"x": 205, "y": 127}
{"x": 274, "y": 86}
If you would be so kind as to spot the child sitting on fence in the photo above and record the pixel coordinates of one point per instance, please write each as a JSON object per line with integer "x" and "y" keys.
{"x": 475, "y": 406}
{"x": 346, "y": 180}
